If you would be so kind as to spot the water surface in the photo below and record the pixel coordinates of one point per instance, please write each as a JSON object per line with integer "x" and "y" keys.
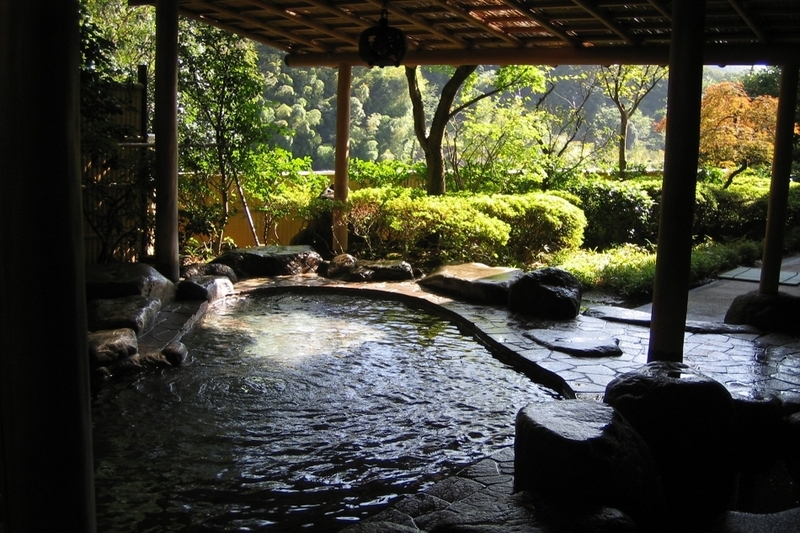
{"x": 299, "y": 411}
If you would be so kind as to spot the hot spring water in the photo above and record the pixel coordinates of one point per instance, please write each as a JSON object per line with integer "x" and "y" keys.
{"x": 299, "y": 411}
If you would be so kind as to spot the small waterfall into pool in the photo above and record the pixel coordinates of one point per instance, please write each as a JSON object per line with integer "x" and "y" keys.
{"x": 299, "y": 412}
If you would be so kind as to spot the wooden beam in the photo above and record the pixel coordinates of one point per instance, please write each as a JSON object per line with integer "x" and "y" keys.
{"x": 779, "y": 186}
{"x": 292, "y": 36}
{"x": 659, "y": 5}
{"x": 238, "y": 31}
{"x": 47, "y": 471}
{"x": 470, "y": 18}
{"x": 607, "y": 22}
{"x": 303, "y": 20}
{"x": 542, "y": 22}
{"x": 165, "y": 128}
{"x": 421, "y": 23}
{"x": 751, "y": 23}
{"x": 596, "y": 55}
{"x": 341, "y": 185}
{"x": 673, "y": 261}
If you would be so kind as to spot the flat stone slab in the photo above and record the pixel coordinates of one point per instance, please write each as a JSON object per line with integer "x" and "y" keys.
{"x": 577, "y": 345}
{"x": 268, "y": 261}
{"x": 209, "y": 288}
{"x": 619, "y": 314}
{"x": 347, "y": 268}
{"x": 115, "y": 280}
{"x": 135, "y": 312}
{"x": 473, "y": 281}
{"x": 642, "y": 318}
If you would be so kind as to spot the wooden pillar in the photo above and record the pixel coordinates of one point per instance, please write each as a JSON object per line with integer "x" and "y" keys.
{"x": 165, "y": 127}
{"x": 341, "y": 183}
{"x": 46, "y": 466}
{"x": 671, "y": 290}
{"x": 779, "y": 187}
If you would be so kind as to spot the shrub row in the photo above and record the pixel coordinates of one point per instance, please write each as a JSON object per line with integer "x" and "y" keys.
{"x": 497, "y": 229}
{"x": 621, "y": 212}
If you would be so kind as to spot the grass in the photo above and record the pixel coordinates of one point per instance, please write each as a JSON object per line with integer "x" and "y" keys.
{"x": 628, "y": 271}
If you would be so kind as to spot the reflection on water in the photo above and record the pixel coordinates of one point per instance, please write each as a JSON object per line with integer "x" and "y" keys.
{"x": 299, "y": 411}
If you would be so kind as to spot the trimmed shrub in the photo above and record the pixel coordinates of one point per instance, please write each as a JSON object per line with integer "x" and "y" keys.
{"x": 540, "y": 223}
{"x": 617, "y": 212}
{"x": 427, "y": 229}
{"x": 501, "y": 229}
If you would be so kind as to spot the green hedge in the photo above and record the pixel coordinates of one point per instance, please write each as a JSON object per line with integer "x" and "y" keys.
{"x": 540, "y": 223}
{"x": 442, "y": 229}
{"x": 617, "y": 212}
{"x": 620, "y": 212}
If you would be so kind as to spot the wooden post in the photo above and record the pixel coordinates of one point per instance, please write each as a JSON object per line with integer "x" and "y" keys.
{"x": 779, "y": 186}
{"x": 673, "y": 263}
{"x": 47, "y": 471}
{"x": 341, "y": 179}
{"x": 165, "y": 128}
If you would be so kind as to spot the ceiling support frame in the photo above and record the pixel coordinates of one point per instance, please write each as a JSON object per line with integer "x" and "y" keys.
{"x": 673, "y": 260}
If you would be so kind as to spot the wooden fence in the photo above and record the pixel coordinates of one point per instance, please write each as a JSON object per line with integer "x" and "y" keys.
{"x": 115, "y": 197}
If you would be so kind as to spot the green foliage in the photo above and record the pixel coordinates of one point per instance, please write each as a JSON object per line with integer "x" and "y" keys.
{"x": 617, "y": 212}
{"x": 388, "y": 173}
{"x": 425, "y": 229}
{"x": 629, "y": 270}
{"x": 500, "y": 229}
{"x": 283, "y": 186}
{"x": 221, "y": 124}
{"x": 495, "y": 149}
{"x": 539, "y": 223}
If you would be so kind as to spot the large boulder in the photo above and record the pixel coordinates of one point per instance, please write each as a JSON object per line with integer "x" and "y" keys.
{"x": 268, "y": 261}
{"x": 209, "y": 269}
{"x": 548, "y": 293}
{"x": 582, "y": 456}
{"x": 473, "y": 281}
{"x": 135, "y": 312}
{"x": 689, "y": 423}
{"x": 769, "y": 312}
{"x": 115, "y": 280}
{"x": 107, "y": 346}
{"x": 209, "y": 288}
{"x": 348, "y": 268}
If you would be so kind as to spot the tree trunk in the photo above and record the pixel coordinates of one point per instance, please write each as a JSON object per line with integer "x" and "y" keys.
{"x": 432, "y": 142}
{"x": 729, "y": 181}
{"x": 623, "y": 142}
{"x": 246, "y": 210}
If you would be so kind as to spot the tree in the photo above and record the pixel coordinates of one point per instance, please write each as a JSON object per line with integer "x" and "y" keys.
{"x": 431, "y": 138}
{"x": 627, "y": 86}
{"x": 570, "y": 137}
{"x": 736, "y": 129}
{"x": 496, "y": 148}
{"x": 222, "y": 125}
{"x": 766, "y": 82}
{"x": 132, "y": 32}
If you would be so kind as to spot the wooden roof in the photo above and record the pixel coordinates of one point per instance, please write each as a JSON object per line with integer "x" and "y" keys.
{"x": 326, "y": 32}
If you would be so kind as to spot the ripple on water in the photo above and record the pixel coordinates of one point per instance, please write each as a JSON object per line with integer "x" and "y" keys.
{"x": 299, "y": 411}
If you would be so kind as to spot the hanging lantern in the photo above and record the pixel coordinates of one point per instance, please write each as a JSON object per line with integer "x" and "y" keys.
{"x": 382, "y": 45}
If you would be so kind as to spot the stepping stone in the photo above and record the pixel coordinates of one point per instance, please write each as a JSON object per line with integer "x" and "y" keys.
{"x": 473, "y": 281}
{"x": 577, "y": 345}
